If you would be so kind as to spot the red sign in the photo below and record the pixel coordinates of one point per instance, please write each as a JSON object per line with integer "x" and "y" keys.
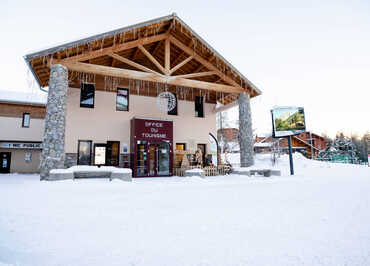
{"x": 147, "y": 135}
{"x": 152, "y": 130}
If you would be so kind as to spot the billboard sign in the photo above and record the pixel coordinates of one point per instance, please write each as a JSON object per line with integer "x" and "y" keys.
{"x": 287, "y": 121}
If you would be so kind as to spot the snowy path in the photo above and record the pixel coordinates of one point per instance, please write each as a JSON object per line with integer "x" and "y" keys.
{"x": 321, "y": 216}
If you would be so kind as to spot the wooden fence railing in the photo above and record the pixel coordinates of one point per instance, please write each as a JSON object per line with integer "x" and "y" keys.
{"x": 208, "y": 171}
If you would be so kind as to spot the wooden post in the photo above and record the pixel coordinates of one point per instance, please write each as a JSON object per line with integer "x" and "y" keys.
{"x": 167, "y": 62}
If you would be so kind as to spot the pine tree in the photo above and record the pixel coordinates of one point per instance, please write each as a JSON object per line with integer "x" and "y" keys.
{"x": 342, "y": 149}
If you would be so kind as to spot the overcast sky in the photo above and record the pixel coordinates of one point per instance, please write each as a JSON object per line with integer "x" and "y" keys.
{"x": 314, "y": 54}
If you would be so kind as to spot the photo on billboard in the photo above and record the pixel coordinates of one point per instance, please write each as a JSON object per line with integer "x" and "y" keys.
{"x": 287, "y": 121}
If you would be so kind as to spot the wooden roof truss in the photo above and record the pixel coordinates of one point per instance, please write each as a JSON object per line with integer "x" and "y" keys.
{"x": 166, "y": 52}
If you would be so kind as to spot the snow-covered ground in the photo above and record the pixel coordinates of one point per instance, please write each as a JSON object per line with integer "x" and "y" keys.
{"x": 320, "y": 216}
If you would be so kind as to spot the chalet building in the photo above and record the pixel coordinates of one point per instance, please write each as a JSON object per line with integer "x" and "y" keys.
{"x": 229, "y": 134}
{"x": 310, "y": 144}
{"x": 228, "y": 138}
{"x": 22, "y": 127}
{"x": 136, "y": 97}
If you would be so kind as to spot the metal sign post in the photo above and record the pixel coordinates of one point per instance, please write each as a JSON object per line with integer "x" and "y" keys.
{"x": 290, "y": 155}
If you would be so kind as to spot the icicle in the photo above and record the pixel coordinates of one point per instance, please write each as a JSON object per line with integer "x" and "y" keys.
{"x": 102, "y": 44}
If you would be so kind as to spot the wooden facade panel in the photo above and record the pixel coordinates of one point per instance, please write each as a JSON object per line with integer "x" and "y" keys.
{"x": 17, "y": 110}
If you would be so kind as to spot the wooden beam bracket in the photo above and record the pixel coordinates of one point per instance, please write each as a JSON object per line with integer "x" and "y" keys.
{"x": 151, "y": 58}
{"x": 179, "y": 65}
{"x": 132, "y": 63}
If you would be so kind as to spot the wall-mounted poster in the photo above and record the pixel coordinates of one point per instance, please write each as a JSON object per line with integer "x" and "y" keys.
{"x": 287, "y": 121}
{"x": 100, "y": 155}
{"x": 125, "y": 148}
{"x": 122, "y": 99}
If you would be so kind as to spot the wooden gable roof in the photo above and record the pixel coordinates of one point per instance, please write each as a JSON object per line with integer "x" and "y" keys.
{"x": 163, "y": 50}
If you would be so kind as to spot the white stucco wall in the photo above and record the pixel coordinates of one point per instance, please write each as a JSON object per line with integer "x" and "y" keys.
{"x": 104, "y": 123}
{"x": 11, "y": 129}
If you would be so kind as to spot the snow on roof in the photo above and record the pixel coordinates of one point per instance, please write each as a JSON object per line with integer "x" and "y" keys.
{"x": 263, "y": 144}
{"x": 35, "y": 97}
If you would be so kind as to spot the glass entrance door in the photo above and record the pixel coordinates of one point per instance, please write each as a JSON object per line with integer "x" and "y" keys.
{"x": 159, "y": 159}
{"x": 163, "y": 160}
{"x": 152, "y": 159}
{"x": 5, "y": 158}
{"x": 112, "y": 153}
{"x": 141, "y": 164}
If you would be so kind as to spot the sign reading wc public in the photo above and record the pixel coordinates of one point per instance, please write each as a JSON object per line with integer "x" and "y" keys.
{"x": 287, "y": 121}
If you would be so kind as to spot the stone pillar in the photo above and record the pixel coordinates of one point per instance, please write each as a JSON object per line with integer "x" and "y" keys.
{"x": 53, "y": 155}
{"x": 245, "y": 131}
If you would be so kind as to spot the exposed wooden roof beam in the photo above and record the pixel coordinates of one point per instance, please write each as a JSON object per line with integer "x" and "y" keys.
{"x": 181, "y": 64}
{"x": 112, "y": 49}
{"x": 151, "y": 58}
{"x": 190, "y": 44}
{"x": 131, "y": 63}
{"x": 132, "y": 74}
{"x": 155, "y": 48}
{"x": 167, "y": 56}
{"x": 135, "y": 53}
{"x": 196, "y": 75}
{"x": 201, "y": 60}
{"x": 201, "y": 66}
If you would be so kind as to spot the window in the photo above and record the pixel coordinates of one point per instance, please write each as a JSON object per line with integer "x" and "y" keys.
{"x": 174, "y": 110}
{"x": 179, "y": 153}
{"x": 84, "y": 152}
{"x": 199, "y": 106}
{"x": 87, "y": 95}
{"x": 181, "y": 146}
{"x": 26, "y": 120}
{"x": 122, "y": 99}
